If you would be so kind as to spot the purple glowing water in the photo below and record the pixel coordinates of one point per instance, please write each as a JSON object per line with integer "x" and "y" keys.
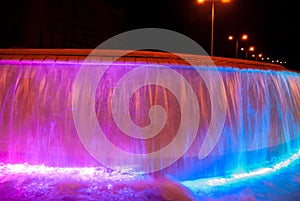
{"x": 37, "y": 125}
{"x": 26, "y": 182}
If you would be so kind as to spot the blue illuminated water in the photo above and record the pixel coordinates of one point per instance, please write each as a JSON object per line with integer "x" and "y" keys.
{"x": 43, "y": 158}
{"x": 282, "y": 185}
{"x": 25, "y": 183}
{"x": 37, "y": 124}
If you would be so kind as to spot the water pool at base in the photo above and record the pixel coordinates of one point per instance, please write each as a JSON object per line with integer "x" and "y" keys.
{"x": 24, "y": 182}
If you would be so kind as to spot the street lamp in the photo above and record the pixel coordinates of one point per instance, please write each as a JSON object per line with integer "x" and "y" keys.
{"x": 260, "y": 56}
{"x": 243, "y": 37}
{"x": 212, "y": 21}
{"x": 251, "y": 49}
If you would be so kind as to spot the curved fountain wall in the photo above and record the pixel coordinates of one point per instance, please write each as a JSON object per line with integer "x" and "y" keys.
{"x": 37, "y": 127}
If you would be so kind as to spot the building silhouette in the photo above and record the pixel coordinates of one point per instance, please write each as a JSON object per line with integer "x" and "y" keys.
{"x": 60, "y": 23}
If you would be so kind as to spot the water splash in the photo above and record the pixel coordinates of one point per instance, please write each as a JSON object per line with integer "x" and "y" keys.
{"x": 37, "y": 126}
{"x": 203, "y": 184}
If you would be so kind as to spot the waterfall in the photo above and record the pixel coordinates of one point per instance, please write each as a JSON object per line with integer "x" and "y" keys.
{"x": 262, "y": 116}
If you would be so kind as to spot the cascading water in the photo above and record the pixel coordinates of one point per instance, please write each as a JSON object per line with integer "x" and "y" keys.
{"x": 37, "y": 126}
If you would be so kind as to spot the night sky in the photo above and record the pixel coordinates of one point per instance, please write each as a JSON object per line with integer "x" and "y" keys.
{"x": 272, "y": 26}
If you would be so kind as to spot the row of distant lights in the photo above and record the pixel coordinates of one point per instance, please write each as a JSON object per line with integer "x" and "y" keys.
{"x": 263, "y": 58}
{"x": 244, "y": 37}
{"x": 251, "y": 49}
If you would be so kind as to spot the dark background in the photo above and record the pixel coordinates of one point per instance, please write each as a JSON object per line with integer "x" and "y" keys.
{"x": 272, "y": 26}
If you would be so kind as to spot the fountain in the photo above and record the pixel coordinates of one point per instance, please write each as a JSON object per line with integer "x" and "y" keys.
{"x": 37, "y": 125}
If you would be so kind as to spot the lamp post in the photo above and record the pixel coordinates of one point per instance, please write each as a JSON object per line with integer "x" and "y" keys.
{"x": 243, "y": 37}
{"x": 251, "y": 49}
{"x": 212, "y": 22}
{"x": 260, "y": 56}
{"x": 212, "y": 27}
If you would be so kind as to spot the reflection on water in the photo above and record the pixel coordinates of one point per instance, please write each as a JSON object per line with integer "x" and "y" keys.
{"x": 279, "y": 186}
{"x": 25, "y": 182}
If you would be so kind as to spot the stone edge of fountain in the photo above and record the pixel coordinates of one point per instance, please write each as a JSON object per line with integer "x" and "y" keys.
{"x": 140, "y": 56}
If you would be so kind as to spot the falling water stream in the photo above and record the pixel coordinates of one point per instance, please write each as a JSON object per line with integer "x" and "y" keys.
{"x": 262, "y": 124}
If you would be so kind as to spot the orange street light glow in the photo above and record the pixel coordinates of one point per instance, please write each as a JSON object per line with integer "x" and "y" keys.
{"x": 225, "y": 1}
{"x": 244, "y": 37}
{"x": 251, "y": 48}
{"x": 230, "y": 37}
{"x": 200, "y": 1}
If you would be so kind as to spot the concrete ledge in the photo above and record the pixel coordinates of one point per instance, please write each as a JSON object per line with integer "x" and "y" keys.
{"x": 79, "y": 55}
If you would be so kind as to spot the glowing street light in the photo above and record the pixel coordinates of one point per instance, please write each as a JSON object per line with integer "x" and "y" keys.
{"x": 212, "y": 21}
{"x": 243, "y": 37}
{"x": 251, "y": 49}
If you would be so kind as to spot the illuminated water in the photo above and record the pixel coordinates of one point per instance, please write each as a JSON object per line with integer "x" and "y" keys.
{"x": 24, "y": 182}
{"x": 262, "y": 124}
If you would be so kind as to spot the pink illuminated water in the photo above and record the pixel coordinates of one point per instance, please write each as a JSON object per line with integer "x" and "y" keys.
{"x": 24, "y": 182}
{"x": 37, "y": 125}
{"x": 43, "y": 158}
